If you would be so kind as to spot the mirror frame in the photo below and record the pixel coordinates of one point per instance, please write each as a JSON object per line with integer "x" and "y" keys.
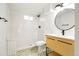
{"x": 60, "y": 28}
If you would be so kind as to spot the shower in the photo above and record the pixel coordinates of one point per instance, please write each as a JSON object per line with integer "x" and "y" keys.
{"x": 3, "y": 19}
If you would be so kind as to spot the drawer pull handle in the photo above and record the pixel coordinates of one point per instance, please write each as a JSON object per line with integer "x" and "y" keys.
{"x": 65, "y": 42}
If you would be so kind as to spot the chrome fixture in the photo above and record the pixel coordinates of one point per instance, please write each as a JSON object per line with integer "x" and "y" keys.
{"x": 38, "y": 15}
{"x": 59, "y": 5}
{"x": 3, "y": 19}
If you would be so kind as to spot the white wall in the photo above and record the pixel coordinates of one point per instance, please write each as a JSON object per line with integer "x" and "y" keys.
{"x": 3, "y": 29}
{"x": 23, "y": 32}
{"x": 77, "y": 29}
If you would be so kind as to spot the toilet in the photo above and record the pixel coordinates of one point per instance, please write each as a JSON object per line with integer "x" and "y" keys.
{"x": 41, "y": 46}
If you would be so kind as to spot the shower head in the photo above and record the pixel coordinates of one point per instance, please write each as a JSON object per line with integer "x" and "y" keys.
{"x": 3, "y": 19}
{"x": 59, "y": 5}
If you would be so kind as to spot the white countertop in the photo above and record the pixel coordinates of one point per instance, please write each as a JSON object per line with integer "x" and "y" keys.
{"x": 56, "y": 35}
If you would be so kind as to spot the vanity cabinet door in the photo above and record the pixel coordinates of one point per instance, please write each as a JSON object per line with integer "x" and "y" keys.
{"x": 64, "y": 48}
{"x": 51, "y": 43}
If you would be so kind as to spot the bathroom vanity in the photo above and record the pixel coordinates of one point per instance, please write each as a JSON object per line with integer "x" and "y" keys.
{"x": 60, "y": 45}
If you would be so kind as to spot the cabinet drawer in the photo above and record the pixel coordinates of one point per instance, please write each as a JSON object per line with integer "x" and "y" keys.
{"x": 53, "y": 53}
{"x": 64, "y": 48}
{"x": 51, "y": 43}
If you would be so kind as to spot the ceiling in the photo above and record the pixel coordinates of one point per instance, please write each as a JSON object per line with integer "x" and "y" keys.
{"x": 30, "y": 8}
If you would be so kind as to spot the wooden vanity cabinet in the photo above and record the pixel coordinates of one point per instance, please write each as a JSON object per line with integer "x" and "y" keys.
{"x": 62, "y": 46}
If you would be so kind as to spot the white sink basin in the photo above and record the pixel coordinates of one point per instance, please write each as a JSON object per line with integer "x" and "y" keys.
{"x": 61, "y": 36}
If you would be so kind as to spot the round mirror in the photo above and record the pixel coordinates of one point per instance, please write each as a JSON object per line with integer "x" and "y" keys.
{"x": 64, "y": 19}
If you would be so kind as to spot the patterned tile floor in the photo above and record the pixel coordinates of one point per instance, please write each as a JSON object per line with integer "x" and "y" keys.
{"x": 30, "y": 52}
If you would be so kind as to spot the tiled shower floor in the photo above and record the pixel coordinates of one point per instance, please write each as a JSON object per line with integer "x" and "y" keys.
{"x": 30, "y": 52}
